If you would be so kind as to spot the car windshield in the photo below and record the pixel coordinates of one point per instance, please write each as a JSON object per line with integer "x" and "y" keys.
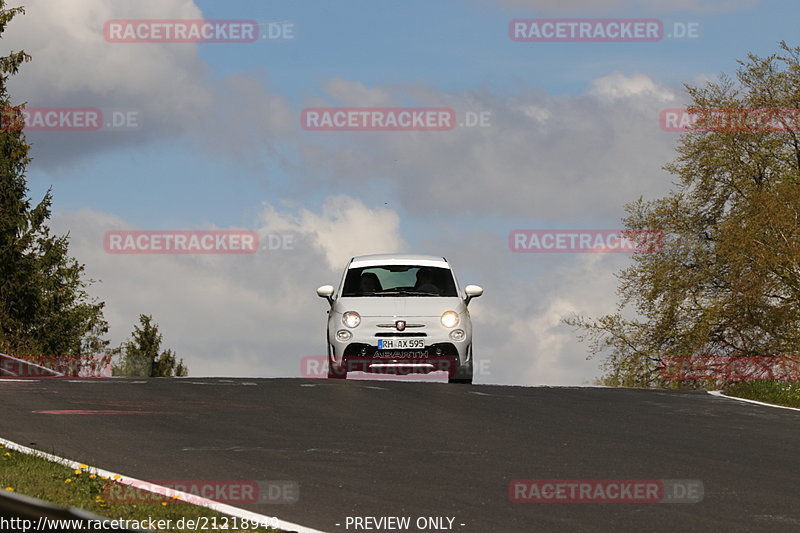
{"x": 399, "y": 280}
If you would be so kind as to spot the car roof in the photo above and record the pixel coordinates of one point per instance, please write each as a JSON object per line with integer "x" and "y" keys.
{"x": 398, "y": 259}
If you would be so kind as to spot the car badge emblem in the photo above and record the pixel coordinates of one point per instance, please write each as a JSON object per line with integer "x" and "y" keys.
{"x": 400, "y": 325}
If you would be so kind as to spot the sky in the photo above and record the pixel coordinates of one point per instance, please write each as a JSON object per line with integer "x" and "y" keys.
{"x": 546, "y": 135}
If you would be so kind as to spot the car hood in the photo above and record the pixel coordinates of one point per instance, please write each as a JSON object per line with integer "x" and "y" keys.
{"x": 392, "y": 306}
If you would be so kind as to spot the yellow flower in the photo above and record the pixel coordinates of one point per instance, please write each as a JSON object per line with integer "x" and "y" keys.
{"x": 117, "y": 476}
{"x": 92, "y": 476}
{"x": 11, "y": 489}
{"x": 7, "y": 454}
{"x": 164, "y": 504}
{"x": 103, "y": 477}
{"x": 68, "y": 480}
{"x": 84, "y": 466}
{"x": 77, "y": 472}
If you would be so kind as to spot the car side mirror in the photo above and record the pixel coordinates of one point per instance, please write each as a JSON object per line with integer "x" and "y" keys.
{"x": 326, "y": 291}
{"x": 472, "y": 291}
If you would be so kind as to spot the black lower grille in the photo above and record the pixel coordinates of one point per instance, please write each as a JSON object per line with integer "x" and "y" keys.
{"x": 402, "y": 334}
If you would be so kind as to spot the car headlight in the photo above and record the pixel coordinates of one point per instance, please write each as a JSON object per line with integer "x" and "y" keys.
{"x": 351, "y": 319}
{"x": 449, "y": 319}
{"x": 343, "y": 335}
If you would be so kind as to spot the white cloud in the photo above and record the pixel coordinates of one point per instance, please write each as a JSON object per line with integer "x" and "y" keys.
{"x": 73, "y": 63}
{"x": 618, "y": 86}
{"x": 556, "y": 157}
{"x": 168, "y": 85}
{"x": 344, "y": 228}
{"x": 536, "y": 346}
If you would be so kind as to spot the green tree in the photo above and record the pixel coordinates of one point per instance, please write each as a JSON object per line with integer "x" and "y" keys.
{"x": 140, "y": 356}
{"x": 44, "y": 308}
{"x": 727, "y": 280}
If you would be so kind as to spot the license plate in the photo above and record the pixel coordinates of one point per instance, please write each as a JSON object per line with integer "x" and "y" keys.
{"x": 400, "y": 344}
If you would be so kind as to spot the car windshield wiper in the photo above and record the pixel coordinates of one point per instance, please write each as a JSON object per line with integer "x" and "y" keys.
{"x": 376, "y": 293}
{"x": 404, "y": 292}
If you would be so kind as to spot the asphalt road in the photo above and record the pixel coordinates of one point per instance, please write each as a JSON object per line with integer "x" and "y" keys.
{"x": 364, "y": 448}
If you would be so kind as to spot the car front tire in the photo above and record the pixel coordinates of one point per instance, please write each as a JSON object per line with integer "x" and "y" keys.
{"x": 336, "y": 372}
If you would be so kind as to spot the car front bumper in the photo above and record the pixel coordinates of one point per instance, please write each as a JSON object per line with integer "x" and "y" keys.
{"x": 368, "y": 358}
{"x": 439, "y": 353}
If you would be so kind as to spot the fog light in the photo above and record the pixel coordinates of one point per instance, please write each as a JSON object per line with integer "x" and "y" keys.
{"x": 457, "y": 334}
{"x": 343, "y": 335}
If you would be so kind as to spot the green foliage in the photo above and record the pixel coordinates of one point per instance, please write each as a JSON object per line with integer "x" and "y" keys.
{"x": 777, "y": 392}
{"x": 140, "y": 356}
{"x": 727, "y": 281}
{"x": 44, "y": 308}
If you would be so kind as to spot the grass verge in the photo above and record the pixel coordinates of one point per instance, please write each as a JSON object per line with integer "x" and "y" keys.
{"x": 61, "y": 485}
{"x": 778, "y": 392}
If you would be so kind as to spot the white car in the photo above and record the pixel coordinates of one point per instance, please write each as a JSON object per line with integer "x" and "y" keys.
{"x": 400, "y": 314}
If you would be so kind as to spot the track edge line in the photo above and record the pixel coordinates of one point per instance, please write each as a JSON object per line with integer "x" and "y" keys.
{"x": 719, "y": 394}
{"x": 223, "y": 508}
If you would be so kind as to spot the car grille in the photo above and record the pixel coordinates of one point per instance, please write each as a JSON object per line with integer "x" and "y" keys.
{"x": 358, "y": 350}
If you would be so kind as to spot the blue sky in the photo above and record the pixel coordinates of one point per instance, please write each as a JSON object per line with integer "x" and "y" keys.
{"x": 573, "y": 136}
